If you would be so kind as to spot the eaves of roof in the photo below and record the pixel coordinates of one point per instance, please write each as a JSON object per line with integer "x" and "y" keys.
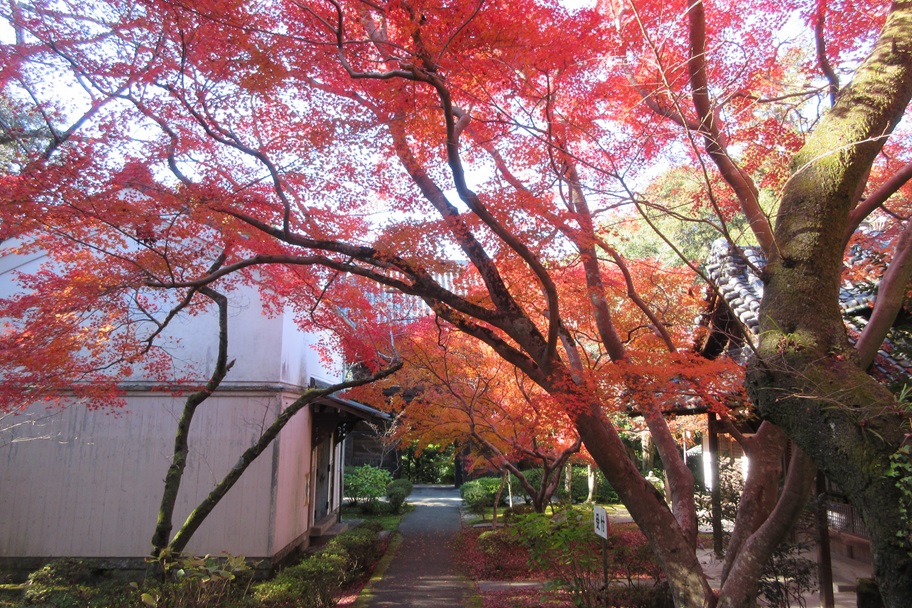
{"x": 734, "y": 273}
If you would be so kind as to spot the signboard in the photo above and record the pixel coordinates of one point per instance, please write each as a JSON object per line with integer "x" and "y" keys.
{"x": 601, "y": 521}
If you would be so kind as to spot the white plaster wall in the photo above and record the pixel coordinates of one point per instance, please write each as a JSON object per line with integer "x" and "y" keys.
{"x": 300, "y": 356}
{"x": 293, "y": 480}
{"x": 94, "y": 488}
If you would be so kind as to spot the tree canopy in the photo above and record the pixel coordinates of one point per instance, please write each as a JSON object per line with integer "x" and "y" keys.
{"x": 303, "y": 146}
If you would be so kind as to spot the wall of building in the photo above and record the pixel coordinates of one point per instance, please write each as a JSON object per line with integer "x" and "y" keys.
{"x": 293, "y": 482}
{"x": 92, "y": 487}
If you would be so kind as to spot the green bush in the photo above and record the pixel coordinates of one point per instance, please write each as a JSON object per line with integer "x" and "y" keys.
{"x": 373, "y": 526}
{"x": 579, "y": 486}
{"x": 71, "y": 583}
{"x": 198, "y": 582}
{"x": 533, "y": 476}
{"x": 604, "y": 492}
{"x": 313, "y": 583}
{"x": 499, "y": 541}
{"x": 515, "y": 511}
{"x": 403, "y": 484}
{"x": 566, "y": 546}
{"x": 433, "y": 464}
{"x": 317, "y": 579}
{"x": 479, "y": 494}
{"x": 359, "y": 546}
{"x": 579, "y": 492}
{"x": 281, "y": 592}
{"x": 396, "y": 493}
{"x": 210, "y": 582}
{"x": 365, "y": 485}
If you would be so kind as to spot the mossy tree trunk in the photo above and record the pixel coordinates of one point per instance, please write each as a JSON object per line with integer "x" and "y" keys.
{"x": 175, "y": 473}
{"x": 806, "y": 377}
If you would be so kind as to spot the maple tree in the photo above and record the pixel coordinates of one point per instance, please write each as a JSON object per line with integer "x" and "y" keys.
{"x": 459, "y": 391}
{"x": 312, "y": 140}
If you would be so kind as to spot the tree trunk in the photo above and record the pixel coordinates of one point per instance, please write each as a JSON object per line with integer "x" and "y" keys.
{"x": 181, "y": 439}
{"x": 679, "y": 479}
{"x": 805, "y": 377}
{"x": 649, "y": 510}
{"x": 591, "y": 480}
{"x": 503, "y": 482}
{"x": 764, "y": 451}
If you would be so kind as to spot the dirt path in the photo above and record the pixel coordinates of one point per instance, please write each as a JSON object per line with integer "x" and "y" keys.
{"x": 422, "y": 573}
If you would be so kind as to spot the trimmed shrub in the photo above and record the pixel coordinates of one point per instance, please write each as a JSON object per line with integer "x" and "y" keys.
{"x": 313, "y": 583}
{"x": 405, "y": 484}
{"x": 359, "y": 546}
{"x": 282, "y": 591}
{"x": 515, "y": 511}
{"x": 396, "y": 493}
{"x": 373, "y": 526}
{"x": 499, "y": 541}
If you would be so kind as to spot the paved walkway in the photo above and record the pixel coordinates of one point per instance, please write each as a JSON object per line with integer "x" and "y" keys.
{"x": 421, "y": 574}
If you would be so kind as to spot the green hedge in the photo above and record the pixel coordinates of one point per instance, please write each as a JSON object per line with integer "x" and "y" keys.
{"x": 317, "y": 579}
{"x": 212, "y": 582}
{"x": 579, "y": 488}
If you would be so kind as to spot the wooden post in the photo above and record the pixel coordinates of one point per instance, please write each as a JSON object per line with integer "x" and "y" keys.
{"x": 716, "y": 492}
{"x": 824, "y": 559}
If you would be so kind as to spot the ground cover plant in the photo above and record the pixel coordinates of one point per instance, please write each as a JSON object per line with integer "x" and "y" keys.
{"x": 561, "y": 552}
{"x": 319, "y": 579}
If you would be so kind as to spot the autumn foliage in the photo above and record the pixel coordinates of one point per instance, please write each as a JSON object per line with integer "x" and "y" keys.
{"x": 484, "y": 158}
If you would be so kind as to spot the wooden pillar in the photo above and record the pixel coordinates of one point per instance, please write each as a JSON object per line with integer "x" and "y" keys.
{"x": 824, "y": 558}
{"x": 716, "y": 491}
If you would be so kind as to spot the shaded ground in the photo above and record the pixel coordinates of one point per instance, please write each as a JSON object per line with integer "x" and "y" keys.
{"x": 423, "y": 573}
{"x": 846, "y": 571}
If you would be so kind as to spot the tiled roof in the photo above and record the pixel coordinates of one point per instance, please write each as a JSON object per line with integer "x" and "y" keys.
{"x": 734, "y": 274}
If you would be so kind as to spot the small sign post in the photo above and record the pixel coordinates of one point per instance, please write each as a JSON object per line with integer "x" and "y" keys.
{"x": 601, "y": 528}
{"x": 601, "y": 521}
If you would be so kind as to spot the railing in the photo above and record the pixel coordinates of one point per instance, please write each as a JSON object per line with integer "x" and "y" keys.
{"x": 842, "y": 516}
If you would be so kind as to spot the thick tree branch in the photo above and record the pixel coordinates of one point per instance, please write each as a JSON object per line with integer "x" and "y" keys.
{"x": 744, "y": 188}
{"x": 181, "y": 439}
{"x": 822, "y": 60}
{"x": 891, "y": 293}
{"x": 877, "y": 198}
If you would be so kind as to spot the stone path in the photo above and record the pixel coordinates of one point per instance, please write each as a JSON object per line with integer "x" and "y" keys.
{"x": 422, "y": 573}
